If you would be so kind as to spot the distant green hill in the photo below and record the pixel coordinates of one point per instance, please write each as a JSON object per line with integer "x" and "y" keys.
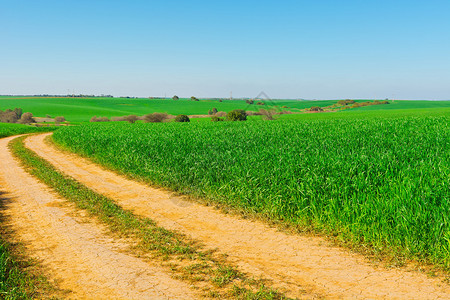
{"x": 82, "y": 109}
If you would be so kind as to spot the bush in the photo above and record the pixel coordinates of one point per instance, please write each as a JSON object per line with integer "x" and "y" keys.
{"x": 237, "y": 115}
{"x": 59, "y": 119}
{"x": 346, "y": 102}
{"x": 260, "y": 103}
{"x": 249, "y": 101}
{"x": 27, "y": 118}
{"x": 155, "y": 117}
{"x": 316, "y": 108}
{"x": 182, "y": 118}
{"x": 216, "y": 119}
{"x": 267, "y": 114}
{"x": 8, "y": 116}
{"x": 131, "y": 118}
{"x": 102, "y": 119}
{"x": 175, "y": 97}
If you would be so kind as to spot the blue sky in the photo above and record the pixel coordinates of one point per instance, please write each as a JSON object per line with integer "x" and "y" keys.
{"x": 289, "y": 49}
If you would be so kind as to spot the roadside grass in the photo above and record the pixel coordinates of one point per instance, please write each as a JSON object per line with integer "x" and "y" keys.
{"x": 186, "y": 258}
{"x": 20, "y": 276}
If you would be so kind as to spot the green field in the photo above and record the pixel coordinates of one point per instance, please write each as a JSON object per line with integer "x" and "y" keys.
{"x": 82, "y": 109}
{"x": 379, "y": 179}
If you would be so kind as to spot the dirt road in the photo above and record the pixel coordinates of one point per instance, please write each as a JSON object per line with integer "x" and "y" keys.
{"x": 303, "y": 266}
{"x": 76, "y": 252}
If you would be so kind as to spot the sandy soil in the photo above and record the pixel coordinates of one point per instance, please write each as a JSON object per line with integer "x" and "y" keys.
{"x": 304, "y": 266}
{"x": 74, "y": 252}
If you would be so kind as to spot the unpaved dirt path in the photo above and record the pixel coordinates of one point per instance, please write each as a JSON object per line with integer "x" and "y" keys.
{"x": 75, "y": 253}
{"x": 301, "y": 265}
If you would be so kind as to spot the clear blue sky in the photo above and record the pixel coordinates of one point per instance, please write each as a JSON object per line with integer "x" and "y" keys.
{"x": 289, "y": 49}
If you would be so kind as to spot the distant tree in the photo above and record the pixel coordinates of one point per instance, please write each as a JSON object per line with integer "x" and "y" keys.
{"x": 131, "y": 119}
{"x": 101, "y": 119}
{"x": 267, "y": 114}
{"x": 175, "y": 97}
{"x": 237, "y": 115}
{"x": 182, "y": 118}
{"x": 216, "y": 119}
{"x": 18, "y": 112}
{"x": 59, "y": 119}
{"x": 27, "y": 118}
{"x": 249, "y": 101}
{"x": 155, "y": 117}
{"x": 194, "y": 98}
{"x": 8, "y": 116}
{"x": 212, "y": 111}
{"x": 316, "y": 108}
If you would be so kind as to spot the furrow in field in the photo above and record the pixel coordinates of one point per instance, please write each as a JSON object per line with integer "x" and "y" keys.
{"x": 298, "y": 264}
{"x": 75, "y": 251}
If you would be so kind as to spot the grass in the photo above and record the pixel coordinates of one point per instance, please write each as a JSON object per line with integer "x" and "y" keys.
{"x": 379, "y": 179}
{"x": 186, "y": 258}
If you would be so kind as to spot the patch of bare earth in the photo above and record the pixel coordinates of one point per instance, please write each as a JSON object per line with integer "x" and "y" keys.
{"x": 301, "y": 266}
{"x": 75, "y": 252}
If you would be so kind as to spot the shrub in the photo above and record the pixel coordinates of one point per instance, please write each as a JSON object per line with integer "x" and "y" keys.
{"x": 182, "y": 118}
{"x": 216, "y": 119}
{"x": 27, "y": 118}
{"x": 316, "y": 108}
{"x": 248, "y": 101}
{"x": 267, "y": 114}
{"x": 346, "y": 102}
{"x": 237, "y": 115}
{"x": 8, "y": 116}
{"x": 102, "y": 119}
{"x": 59, "y": 119}
{"x": 260, "y": 103}
{"x": 155, "y": 117}
{"x": 175, "y": 97}
{"x": 131, "y": 118}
